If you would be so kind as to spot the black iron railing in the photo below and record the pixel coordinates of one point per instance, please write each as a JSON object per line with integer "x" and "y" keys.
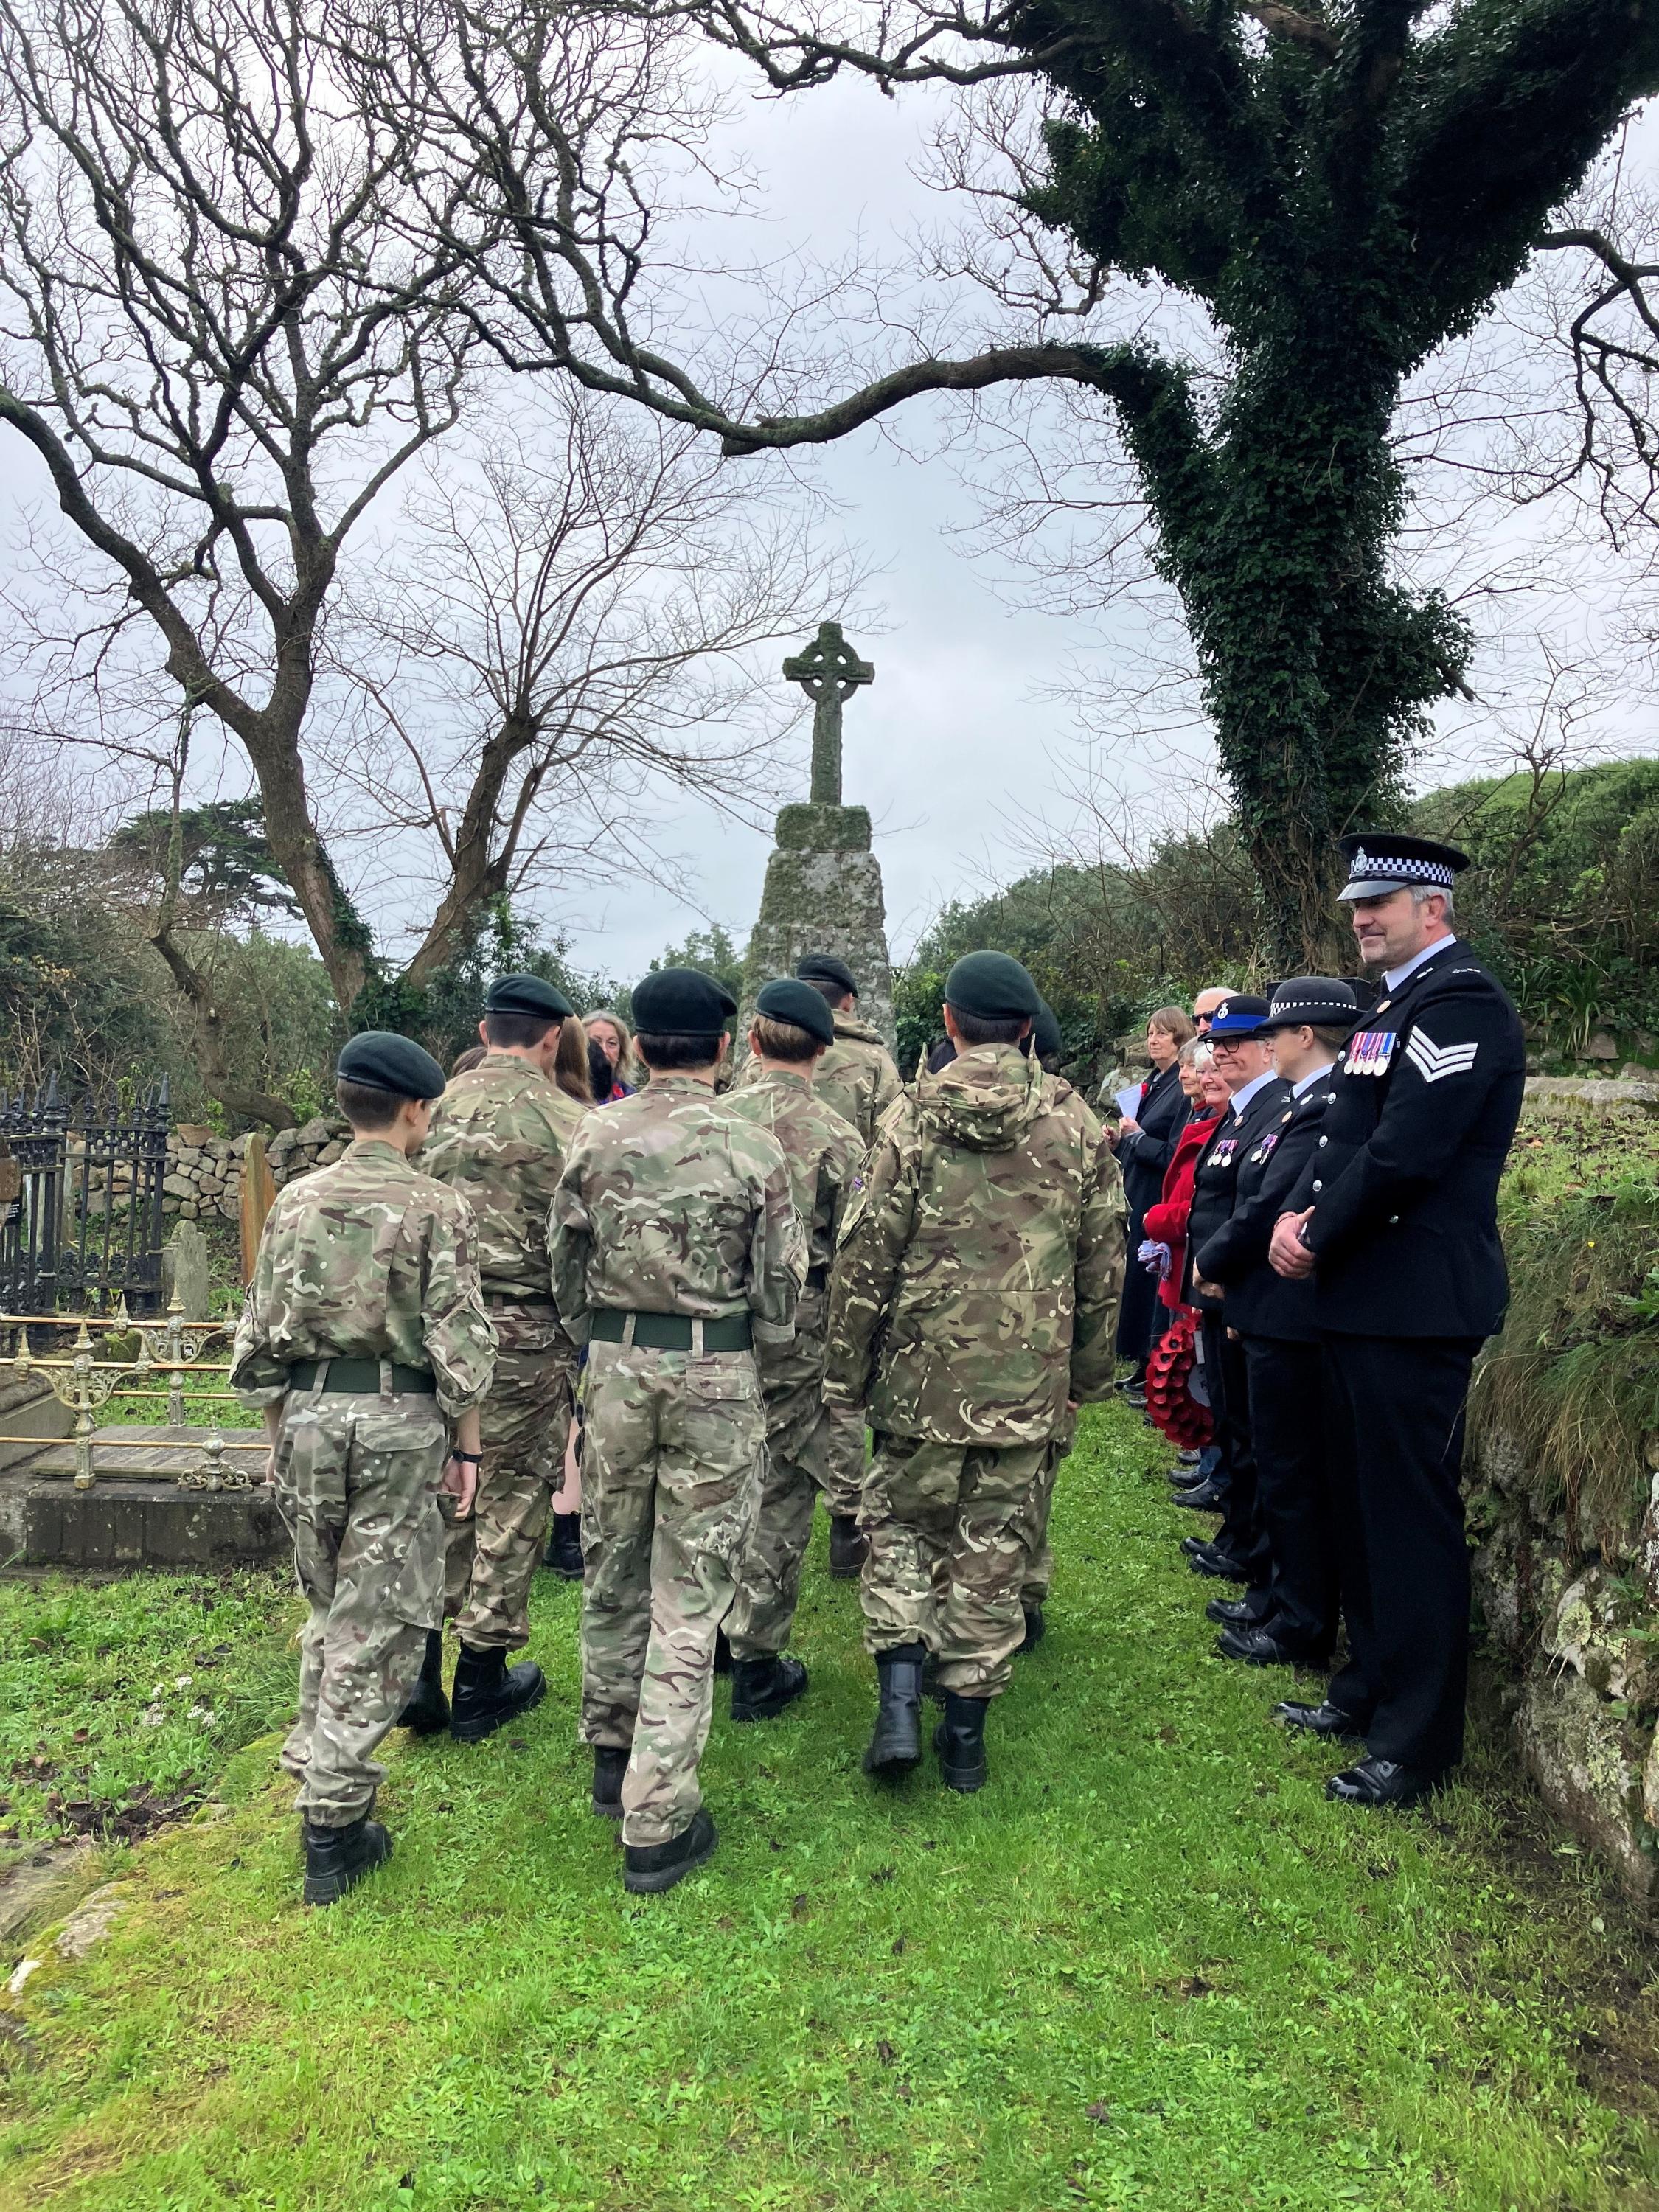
{"x": 81, "y": 1191}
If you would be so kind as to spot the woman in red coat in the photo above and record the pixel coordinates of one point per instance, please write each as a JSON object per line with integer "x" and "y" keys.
{"x": 1166, "y": 1222}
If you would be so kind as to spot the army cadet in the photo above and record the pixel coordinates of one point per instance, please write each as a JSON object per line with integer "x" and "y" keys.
{"x": 974, "y": 1295}
{"x": 500, "y": 1136}
{"x": 1395, "y": 1220}
{"x": 364, "y": 1337}
{"x": 857, "y": 1077}
{"x": 1274, "y": 1322}
{"x": 792, "y": 1031}
{"x": 674, "y": 1247}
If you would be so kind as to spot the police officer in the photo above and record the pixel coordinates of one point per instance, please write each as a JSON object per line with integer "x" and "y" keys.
{"x": 1243, "y": 1052}
{"x": 1395, "y": 1219}
{"x": 500, "y": 1137}
{"x": 1292, "y": 1623}
{"x": 674, "y": 1247}
{"x": 364, "y": 1338}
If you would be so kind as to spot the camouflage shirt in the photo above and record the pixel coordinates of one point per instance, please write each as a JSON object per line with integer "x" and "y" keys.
{"x": 671, "y": 1203}
{"x": 977, "y": 1283}
{"x": 857, "y": 1076}
{"x": 822, "y": 1151}
{"x": 368, "y": 1259}
{"x": 501, "y": 1134}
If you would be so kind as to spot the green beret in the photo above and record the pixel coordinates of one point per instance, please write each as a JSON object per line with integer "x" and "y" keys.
{"x": 824, "y": 968}
{"x": 789, "y": 1001}
{"x": 1045, "y": 1033}
{"x": 527, "y": 995}
{"x": 683, "y": 1002}
{"x": 383, "y": 1061}
{"x": 993, "y": 987}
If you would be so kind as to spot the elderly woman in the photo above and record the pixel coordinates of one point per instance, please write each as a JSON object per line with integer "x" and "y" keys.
{"x": 1146, "y": 1143}
{"x": 610, "y": 1057}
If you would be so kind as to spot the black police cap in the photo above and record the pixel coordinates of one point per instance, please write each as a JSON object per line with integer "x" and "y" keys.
{"x": 824, "y": 968}
{"x": 993, "y": 987}
{"x": 683, "y": 1002}
{"x": 1322, "y": 1001}
{"x": 1239, "y": 1015}
{"x": 1045, "y": 1033}
{"x": 1380, "y": 862}
{"x": 382, "y": 1060}
{"x": 787, "y": 1001}
{"x": 527, "y": 995}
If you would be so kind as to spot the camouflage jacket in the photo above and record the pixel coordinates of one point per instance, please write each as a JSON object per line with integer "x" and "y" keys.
{"x": 857, "y": 1076}
{"x": 977, "y": 1283}
{"x": 368, "y": 1259}
{"x": 671, "y": 1203}
{"x": 822, "y": 1151}
{"x": 500, "y": 1136}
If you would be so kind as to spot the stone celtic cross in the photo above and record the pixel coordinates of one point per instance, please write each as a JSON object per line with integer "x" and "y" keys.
{"x": 828, "y": 672}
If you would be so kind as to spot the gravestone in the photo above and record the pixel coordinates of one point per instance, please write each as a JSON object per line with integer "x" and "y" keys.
{"x": 823, "y": 891}
{"x": 187, "y": 1272}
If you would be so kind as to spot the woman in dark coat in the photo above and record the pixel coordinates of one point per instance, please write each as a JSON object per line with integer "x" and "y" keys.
{"x": 1145, "y": 1144}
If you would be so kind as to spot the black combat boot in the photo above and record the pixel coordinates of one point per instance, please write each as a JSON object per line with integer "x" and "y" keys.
{"x": 610, "y": 1765}
{"x": 848, "y": 1546}
{"x": 647, "y": 1868}
{"x": 428, "y": 1710}
{"x": 761, "y": 1688}
{"x": 488, "y": 1692}
{"x": 563, "y": 1555}
{"x": 337, "y": 1859}
{"x": 959, "y": 1740}
{"x": 896, "y": 1747}
{"x": 1036, "y": 1629}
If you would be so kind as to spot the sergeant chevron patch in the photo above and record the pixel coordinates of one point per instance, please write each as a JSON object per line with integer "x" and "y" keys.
{"x": 1433, "y": 1061}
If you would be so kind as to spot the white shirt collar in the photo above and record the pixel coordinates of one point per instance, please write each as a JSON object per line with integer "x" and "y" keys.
{"x": 1394, "y": 977}
{"x": 1241, "y": 1098}
{"x": 1317, "y": 1076}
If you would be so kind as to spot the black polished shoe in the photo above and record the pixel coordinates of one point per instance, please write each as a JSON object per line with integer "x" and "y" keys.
{"x": 610, "y": 1765}
{"x": 1246, "y": 1612}
{"x": 1203, "y": 1498}
{"x": 563, "y": 1555}
{"x": 1217, "y": 1565}
{"x": 959, "y": 1740}
{"x": 1379, "y": 1782}
{"x": 1321, "y": 1720}
{"x": 1036, "y": 1629}
{"x": 648, "y": 1868}
{"x": 1185, "y": 1478}
{"x": 428, "y": 1710}
{"x": 1260, "y": 1647}
{"x": 1134, "y": 1393}
{"x": 848, "y": 1546}
{"x": 486, "y": 1694}
{"x": 1190, "y": 1457}
{"x": 761, "y": 1688}
{"x": 337, "y": 1859}
{"x": 896, "y": 1746}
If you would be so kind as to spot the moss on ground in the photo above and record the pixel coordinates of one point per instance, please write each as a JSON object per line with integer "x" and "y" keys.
{"x": 1148, "y": 1967}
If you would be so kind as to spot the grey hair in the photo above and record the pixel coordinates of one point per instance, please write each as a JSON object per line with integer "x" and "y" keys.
{"x": 1195, "y": 1053}
{"x": 1421, "y": 891}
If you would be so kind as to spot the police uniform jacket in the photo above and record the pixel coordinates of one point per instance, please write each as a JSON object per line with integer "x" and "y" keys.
{"x": 1261, "y": 1303}
{"x": 1215, "y": 1179}
{"x": 1403, "y": 1178}
{"x": 1145, "y": 1156}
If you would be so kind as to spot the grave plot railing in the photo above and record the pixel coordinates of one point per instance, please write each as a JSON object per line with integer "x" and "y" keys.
{"x": 80, "y": 1197}
{"x": 168, "y": 1363}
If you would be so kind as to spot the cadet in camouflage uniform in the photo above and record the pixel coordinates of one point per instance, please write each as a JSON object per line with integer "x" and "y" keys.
{"x": 500, "y": 1137}
{"x": 793, "y": 1029}
{"x": 674, "y": 1248}
{"x": 974, "y": 1295}
{"x": 363, "y": 1329}
{"x": 857, "y": 1077}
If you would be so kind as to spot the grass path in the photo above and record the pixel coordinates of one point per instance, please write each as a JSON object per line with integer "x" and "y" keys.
{"x": 1148, "y": 1967}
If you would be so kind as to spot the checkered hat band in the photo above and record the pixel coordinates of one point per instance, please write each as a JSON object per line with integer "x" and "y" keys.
{"x": 1363, "y": 869}
{"x": 1313, "y": 1007}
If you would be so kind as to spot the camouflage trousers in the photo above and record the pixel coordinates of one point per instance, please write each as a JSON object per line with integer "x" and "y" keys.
{"x": 672, "y": 1449}
{"x": 841, "y": 1476}
{"x": 357, "y": 1487}
{"x": 949, "y": 1526}
{"x": 799, "y": 1442}
{"x": 1034, "y": 1522}
{"x": 491, "y": 1557}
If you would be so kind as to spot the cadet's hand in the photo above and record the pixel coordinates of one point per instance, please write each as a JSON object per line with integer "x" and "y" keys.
{"x": 1290, "y": 1256}
{"x": 460, "y": 1482}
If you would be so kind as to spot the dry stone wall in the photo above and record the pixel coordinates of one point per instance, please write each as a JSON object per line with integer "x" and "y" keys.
{"x": 205, "y": 1171}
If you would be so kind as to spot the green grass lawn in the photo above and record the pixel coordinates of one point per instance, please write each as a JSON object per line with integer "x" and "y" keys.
{"x": 1148, "y": 1967}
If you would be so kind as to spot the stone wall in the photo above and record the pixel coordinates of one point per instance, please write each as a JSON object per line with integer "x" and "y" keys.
{"x": 205, "y": 1171}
